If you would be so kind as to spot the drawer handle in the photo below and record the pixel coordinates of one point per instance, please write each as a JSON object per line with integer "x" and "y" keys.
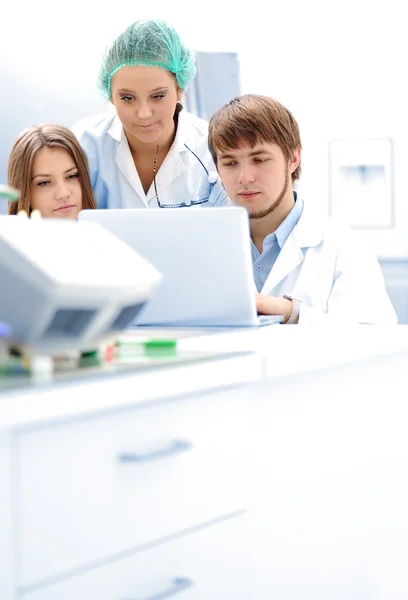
{"x": 179, "y": 584}
{"x": 175, "y": 447}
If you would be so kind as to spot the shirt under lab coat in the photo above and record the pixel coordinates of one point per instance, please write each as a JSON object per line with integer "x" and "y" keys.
{"x": 273, "y": 243}
{"x": 181, "y": 177}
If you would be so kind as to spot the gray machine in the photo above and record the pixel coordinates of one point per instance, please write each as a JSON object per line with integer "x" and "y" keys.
{"x": 68, "y": 285}
{"x": 216, "y": 83}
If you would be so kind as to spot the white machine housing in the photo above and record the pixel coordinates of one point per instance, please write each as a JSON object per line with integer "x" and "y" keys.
{"x": 67, "y": 284}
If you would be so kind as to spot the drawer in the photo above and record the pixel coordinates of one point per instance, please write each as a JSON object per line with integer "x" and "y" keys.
{"x": 210, "y": 564}
{"x": 93, "y": 488}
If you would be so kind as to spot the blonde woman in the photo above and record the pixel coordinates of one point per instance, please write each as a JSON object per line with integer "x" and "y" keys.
{"x": 49, "y": 168}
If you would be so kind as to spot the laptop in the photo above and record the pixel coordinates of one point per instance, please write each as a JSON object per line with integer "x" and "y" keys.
{"x": 204, "y": 257}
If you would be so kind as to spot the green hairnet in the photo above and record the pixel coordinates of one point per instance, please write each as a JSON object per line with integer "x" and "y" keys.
{"x": 150, "y": 43}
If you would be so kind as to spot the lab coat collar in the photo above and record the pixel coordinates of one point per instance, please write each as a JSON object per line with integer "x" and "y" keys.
{"x": 115, "y": 129}
{"x": 309, "y": 230}
{"x": 307, "y": 233}
{"x": 124, "y": 159}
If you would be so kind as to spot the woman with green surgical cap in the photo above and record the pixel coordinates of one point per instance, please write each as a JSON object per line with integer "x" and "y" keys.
{"x": 150, "y": 153}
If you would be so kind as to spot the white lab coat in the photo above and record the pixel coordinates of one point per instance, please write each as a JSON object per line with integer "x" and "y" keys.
{"x": 338, "y": 280}
{"x": 181, "y": 177}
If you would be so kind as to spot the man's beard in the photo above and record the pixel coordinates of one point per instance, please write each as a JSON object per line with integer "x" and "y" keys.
{"x": 274, "y": 205}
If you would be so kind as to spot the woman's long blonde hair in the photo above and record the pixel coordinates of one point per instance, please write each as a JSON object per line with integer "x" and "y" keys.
{"x": 22, "y": 155}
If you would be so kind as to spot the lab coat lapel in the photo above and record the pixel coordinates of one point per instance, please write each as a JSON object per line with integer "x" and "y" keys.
{"x": 126, "y": 165}
{"x": 124, "y": 159}
{"x": 308, "y": 232}
{"x": 289, "y": 258}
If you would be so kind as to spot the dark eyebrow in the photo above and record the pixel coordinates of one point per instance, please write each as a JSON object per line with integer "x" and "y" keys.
{"x": 222, "y": 156}
{"x": 258, "y": 152}
{"x": 253, "y": 153}
{"x": 48, "y": 175}
{"x": 159, "y": 89}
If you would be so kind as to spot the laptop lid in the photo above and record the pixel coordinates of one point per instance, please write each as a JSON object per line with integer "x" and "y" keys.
{"x": 204, "y": 257}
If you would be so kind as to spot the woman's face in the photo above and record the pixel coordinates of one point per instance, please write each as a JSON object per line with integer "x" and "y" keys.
{"x": 145, "y": 99}
{"x": 55, "y": 186}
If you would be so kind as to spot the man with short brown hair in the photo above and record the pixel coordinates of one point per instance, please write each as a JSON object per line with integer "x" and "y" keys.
{"x": 306, "y": 269}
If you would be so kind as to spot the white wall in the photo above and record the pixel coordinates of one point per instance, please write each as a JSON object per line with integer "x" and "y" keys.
{"x": 340, "y": 67}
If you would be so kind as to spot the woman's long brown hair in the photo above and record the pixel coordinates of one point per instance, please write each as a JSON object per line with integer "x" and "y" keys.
{"x": 22, "y": 154}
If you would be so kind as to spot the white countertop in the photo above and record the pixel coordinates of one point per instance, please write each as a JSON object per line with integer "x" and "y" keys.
{"x": 293, "y": 349}
{"x": 270, "y": 352}
{"x": 48, "y": 401}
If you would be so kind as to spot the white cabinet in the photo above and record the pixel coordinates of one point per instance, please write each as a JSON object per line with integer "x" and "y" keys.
{"x": 330, "y": 484}
{"x": 96, "y": 487}
{"x": 210, "y": 564}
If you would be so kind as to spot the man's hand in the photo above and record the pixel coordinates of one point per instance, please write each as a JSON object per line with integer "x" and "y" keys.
{"x": 272, "y": 305}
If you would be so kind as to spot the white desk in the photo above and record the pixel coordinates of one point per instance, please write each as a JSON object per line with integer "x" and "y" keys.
{"x": 137, "y": 486}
